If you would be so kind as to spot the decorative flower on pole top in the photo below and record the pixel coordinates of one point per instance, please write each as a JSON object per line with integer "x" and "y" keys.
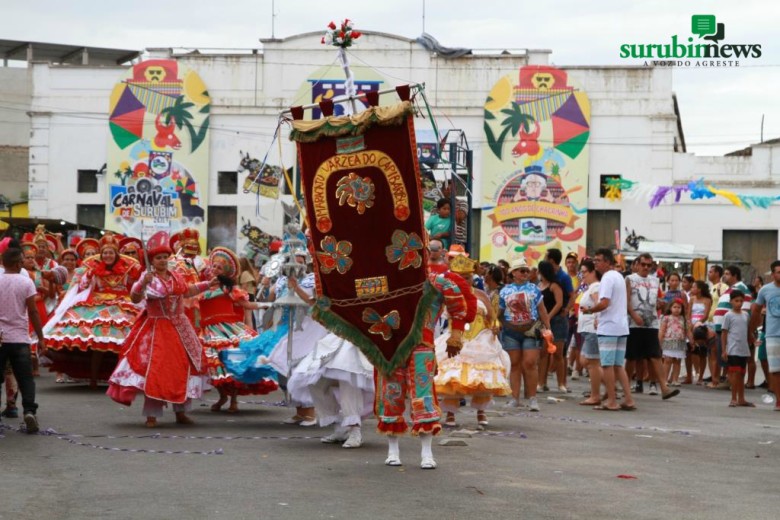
{"x": 340, "y": 36}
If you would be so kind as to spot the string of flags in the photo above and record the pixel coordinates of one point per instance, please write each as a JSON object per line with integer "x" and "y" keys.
{"x": 625, "y": 189}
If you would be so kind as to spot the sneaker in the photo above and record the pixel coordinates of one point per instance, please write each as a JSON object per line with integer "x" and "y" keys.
{"x": 308, "y": 422}
{"x": 539, "y": 388}
{"x": 653, "y": 389}
{"x": 426, "y": 463}
{"x": 638, "y": 388}
{"x": 512, "y": 403}
{"x": 533, "y": 405}
{"x": 31, "y": 422}
{"x": 575, "y": 376}
{"x": 339, "y": 435}
{"x": 563, "y": 390}
{"x": 354, "y": 439}
{"x": 11, "y": 412}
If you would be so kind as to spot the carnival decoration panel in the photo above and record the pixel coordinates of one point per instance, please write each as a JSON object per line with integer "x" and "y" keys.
{"x": 158, "y": 154}
{"x": 364, "y": 208}
{"x": 535, "y": 165}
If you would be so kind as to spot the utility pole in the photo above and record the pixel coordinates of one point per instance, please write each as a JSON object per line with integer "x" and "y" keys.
{"x": 273, "y": 18}
{"x": 423, "y": 17}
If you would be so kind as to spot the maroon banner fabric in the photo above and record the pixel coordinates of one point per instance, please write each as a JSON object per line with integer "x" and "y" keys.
{"x": 363, "y": 204}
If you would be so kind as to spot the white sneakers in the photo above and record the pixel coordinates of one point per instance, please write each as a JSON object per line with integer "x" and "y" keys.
{"x": 340, "y": 434}
{"x": 533, "y": 405}
{"x": 350, "y": 437}
{"x": 428, "y": 463}
{"x": 354, "y": 439}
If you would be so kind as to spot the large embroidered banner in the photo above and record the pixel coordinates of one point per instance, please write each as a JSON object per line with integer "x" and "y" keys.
{"x": 364, "y": 209}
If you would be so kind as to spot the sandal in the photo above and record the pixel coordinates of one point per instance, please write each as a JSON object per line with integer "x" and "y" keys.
{"x": 216, "y": 407}
{"x": 183, "y": 419}
{"x": 482, "y": 419}
{"x": 606, "y": 408}
{"x": 233, "y": 408}
{"x": 590, "y": 403}
{"x": 747, "y": 404}
{"x": 450, "y": 421}
{"x": 308, "y": 421}
{"x": 627, "y": 407}
{"x": 151, "y": 422}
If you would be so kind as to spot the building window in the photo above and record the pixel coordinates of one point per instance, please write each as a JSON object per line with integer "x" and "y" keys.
{"x": 222, "y": 227}
{"x": 602, "y": 224}
{"x": 93, "y": 215}
{"x": 227, "y": 183}
{"x": 603, "y": 185}
{"x": 87, "y": 181}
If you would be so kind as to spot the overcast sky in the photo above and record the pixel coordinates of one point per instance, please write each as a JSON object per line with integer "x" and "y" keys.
{"x": 721, "y": 107}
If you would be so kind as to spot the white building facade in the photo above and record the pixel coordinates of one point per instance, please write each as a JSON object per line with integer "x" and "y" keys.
{"x": 635, "y": 132}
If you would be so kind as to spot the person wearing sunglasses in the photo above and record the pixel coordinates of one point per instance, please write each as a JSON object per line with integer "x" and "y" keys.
{"x": 644, "y": 292}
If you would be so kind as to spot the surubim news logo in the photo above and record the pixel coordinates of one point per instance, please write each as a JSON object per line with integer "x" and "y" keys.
{"x": 706, "y": 51}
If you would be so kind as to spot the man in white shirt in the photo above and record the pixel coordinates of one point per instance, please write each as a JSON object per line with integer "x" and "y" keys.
{"x": 17, "y": 310}
{"x": 612, "y": 330}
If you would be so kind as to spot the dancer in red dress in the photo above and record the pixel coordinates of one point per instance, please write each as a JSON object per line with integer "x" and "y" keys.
{"x": 162, "y": 354}
{"x": 86, "y": 333}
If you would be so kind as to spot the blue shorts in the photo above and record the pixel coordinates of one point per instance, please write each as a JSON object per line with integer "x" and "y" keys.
{"x": 590, "y": 345}
{"x": 559, "y": 325}
{"x": 762, "y": 349}
{"x": 773, "y": 354}
{"x": 612, "y": 350}
{"x": 518, "y": 341}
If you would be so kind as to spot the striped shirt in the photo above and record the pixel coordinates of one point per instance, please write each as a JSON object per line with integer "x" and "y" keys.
{"x": 724, "y": 304}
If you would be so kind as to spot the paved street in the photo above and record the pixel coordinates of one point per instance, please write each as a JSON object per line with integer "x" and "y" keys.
{"x": 693, "y": 457}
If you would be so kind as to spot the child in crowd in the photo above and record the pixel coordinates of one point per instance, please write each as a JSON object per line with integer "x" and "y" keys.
{"x": 673, "y": 334}
{"x": 439, "y": 223}
{"x": 734, "y": 334}
{"x": 705, "y": 340}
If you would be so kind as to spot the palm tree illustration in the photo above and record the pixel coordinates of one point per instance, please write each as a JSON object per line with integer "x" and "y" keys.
{"x": 182, "y": 116}
{"x": 123, "y": 175}
{"x": 514, "y": 119}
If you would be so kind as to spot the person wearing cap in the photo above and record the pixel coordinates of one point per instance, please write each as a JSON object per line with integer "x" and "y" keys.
{"x": 186, "y": 261}
{"x": 162, "y": 355}
{"x": 134, "y": 248}
{"x": 222, "y": 326}
{"x": 46, "y": 297}
{"x": 69, "y": 260}
{"x": 480, "y": 370}
{"x": 95, "y": 322}
{"x": 522, "y": 313}
{"x": 47, "y": 246}
{"x": 267, "y": 353}
{"x": 436, "y": 260}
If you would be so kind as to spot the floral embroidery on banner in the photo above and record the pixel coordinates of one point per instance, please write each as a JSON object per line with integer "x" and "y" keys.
{"x": 355, "y": 191}
{"x": 406, "y": 249}
{"x": 334, "y": 255}
{"x": 382, "y": 325}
